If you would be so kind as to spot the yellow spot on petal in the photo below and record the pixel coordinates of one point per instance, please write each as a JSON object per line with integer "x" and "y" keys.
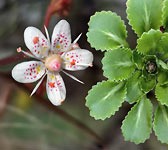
{"x": 52, "y": 76}
{"x": 58, "y": 46}
{"x": 68, "y": 58}
{"x": 38, "y": 68}
{"x": 43, "y": 50}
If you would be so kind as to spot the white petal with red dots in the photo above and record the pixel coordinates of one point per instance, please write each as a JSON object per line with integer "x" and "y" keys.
{"x": 78, "y": 59}
{"x": 28, "y": 72}
{"x": 36, "y": 42}
{"x": 61, "y": 37}
{"x": 55, "y": 89}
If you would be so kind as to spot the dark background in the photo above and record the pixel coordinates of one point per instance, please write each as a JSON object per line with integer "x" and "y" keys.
{"x": 25, "y": 124}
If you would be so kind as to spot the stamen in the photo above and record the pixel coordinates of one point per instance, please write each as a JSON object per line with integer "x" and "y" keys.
{"x": 87, "y": 65}
{"x": 71, "y": 76}
{"x": 28, "y": 54}
{"x": 38, "y": 84}
{"x": 76, "y": 40}
{"x": 78, "y": 64}
{"x": 61, "y": 101}
{"x": 47, "y": 34}
{"x": 19, "y": 50}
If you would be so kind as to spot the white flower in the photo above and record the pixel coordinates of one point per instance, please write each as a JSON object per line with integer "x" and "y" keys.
{"x": 61, "y": 54}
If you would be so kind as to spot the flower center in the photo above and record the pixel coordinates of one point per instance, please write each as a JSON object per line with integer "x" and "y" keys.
{"x": 151, "y": 67}
{"x": 53, "y": 63}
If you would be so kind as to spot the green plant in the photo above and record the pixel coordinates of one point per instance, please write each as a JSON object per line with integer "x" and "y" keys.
{"x": 133, "y": 74}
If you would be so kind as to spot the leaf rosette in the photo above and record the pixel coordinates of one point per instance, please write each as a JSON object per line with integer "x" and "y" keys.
{"x": 132, "y": 74}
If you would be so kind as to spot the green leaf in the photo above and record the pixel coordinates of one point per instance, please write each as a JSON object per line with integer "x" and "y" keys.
{"x": 147, "y": 84}
{"x": 154, "y": 43}
{"x": 133, "y": 89}
{"x": 162, "y": 64}
{"x": 163, "y": 77}
{"x": 138, "y": 123}
{"x": 165, "y": 14}
{"x": 117, "y": 64}
{"x": 105, "y": 98}
{"x": 163, "y": 47}
{"x": 106, "y": 31}
{"x": 160, "y": 124}
{"x": 148, "y": 43}
{"x": 161, "y": 93}
{"x": 138, "y": 59}
{"x": 144, "y": 15}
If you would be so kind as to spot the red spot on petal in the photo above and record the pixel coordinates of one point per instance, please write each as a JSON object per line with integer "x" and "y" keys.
{"x": 51, "y": 84}
{"x": 61, "y": 53}
{"x": 36, "y": 40}
{"x": 73, "y": 62}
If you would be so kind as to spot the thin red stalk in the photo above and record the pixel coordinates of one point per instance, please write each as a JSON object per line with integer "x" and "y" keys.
{"x": 11, "y": 59}
{"x": 50, "y": 11}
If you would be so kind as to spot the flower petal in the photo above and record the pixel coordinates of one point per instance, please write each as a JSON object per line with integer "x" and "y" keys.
{"x": 36, "y": 42}
{"x": 55, "y": 88}
{"x": 61, "y": 37}
{"x": 28, "y": 72}
{"x": 78, "y": 59}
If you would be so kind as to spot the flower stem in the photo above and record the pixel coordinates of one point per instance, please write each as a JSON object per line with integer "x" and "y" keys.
{"x": 11, "y": 59}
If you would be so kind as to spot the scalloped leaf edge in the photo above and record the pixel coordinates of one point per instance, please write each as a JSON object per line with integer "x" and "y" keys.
{"x": 140, "y": 141}
{"x": 154, "y": 127}
{"x": 99, "y": 83}
{"x": 115, "y": 15}
{"x": 157, "y": 95}
{"x": 125, "y": 77}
